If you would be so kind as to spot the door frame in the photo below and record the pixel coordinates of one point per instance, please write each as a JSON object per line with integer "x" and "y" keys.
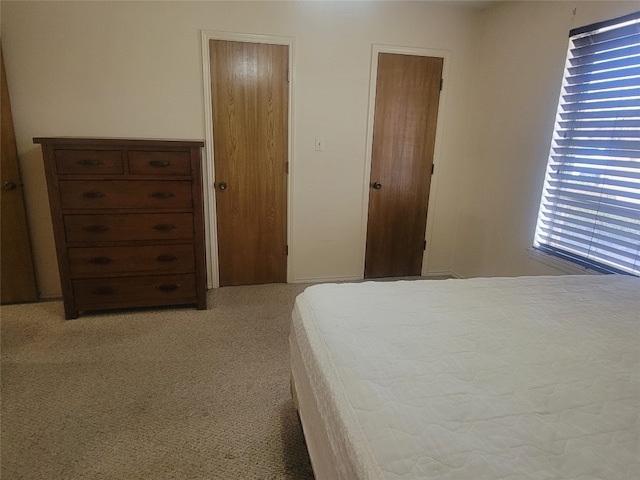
{"x": 208, "y": 167}
{"x": 420, "y": 52}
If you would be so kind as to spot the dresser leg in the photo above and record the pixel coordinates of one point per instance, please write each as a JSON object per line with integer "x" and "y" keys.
{"x": 70, "y": 311}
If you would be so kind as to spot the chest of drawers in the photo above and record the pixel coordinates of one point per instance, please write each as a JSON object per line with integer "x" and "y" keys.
{"x": 128, "y": 222}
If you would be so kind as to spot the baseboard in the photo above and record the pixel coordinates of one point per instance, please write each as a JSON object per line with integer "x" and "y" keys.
{"x": 348, "y": 278}
{"x": 442, "y": 273}
{"x": 358, "y": 278}
{"x": 49, "y": 298}
{"x": 455, "y": 274}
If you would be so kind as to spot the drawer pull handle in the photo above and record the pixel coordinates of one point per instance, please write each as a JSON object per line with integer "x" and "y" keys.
{"x": 159, "y": 163}
{"x": 166, "y": 258}
{"x": 90, "y": 162}
{"x": 168, "y": 287}
{"x": 103, "y": 291}
{"x": 100, "y": 260}
{"x": 164, "y": 227}
{"x": 94, "y": 194}
{"x": 96, "y": 228}
{"x": 162, "y": 195}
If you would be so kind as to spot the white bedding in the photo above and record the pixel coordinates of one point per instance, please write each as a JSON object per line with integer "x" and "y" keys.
{"x": 504, "y": 378}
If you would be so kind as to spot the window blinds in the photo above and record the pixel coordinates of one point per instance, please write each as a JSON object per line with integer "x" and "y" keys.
{"x": 590, "y": 207}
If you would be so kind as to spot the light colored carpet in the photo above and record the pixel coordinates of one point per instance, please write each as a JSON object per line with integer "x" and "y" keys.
{"x": 153, "y": 394}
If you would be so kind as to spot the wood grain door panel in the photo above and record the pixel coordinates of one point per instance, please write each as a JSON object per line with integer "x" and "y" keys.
{"x": 406, "y": 109}
{"x": 18, "y": 282}
{"x": 249, "y": 88}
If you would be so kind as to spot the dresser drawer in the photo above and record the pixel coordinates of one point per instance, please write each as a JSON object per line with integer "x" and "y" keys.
{"x": 125, "y": 194}
{"x": 146, "y": 291}
{"x": 89, "y": 162}
{"x": 90, "y": 262}
{"x": 159, "y": 163}
{"x": 128, "y": 227}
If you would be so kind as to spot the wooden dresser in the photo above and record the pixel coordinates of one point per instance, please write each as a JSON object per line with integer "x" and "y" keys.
{"x": 128, "y": 222}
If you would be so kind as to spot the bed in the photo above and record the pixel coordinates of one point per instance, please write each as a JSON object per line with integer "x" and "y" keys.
{"x": 489, "y": 378}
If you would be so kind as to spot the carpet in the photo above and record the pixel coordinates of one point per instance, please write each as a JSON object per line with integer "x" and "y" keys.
{"x": 172, "y": 393}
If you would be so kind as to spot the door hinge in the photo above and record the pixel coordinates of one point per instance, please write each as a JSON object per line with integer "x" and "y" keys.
{"x": 432, "y": 167}
{"x": 288, "y": 75}
{"x": 424, "y": 245}
{"x": 286, "y": 167}
{"x": 441, "y": 83}
{"x": 286, "y": 249}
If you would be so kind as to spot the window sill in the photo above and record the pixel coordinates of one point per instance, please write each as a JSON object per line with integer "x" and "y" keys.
{"x": 558, "y": 263}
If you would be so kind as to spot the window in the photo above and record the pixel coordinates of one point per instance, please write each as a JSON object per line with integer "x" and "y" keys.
{"x": 590, "y": 208}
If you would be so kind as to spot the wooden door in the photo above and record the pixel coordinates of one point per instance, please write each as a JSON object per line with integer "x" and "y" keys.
{"x": 249, "y": 92}
{"x": 406, "y": 110}
{"x": 18, "y": 279}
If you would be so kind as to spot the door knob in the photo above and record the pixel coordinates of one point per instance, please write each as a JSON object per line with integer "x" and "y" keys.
{"x": 376, "y": 186}
{"x": 9, "y": 186}
{"x": 222, "y": 185}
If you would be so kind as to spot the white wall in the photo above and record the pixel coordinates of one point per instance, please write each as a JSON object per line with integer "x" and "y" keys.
{"x": 133, "y": 69}
{"x": 522, "y": 47}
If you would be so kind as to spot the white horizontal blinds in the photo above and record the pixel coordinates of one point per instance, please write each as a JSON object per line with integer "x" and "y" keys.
{"x": 590, "y": 208}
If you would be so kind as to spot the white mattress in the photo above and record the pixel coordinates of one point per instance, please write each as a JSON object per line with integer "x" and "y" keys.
{"x": 504, "y": 378}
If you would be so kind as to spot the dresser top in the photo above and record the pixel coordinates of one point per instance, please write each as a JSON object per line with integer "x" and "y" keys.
{"x": 122, "y": 142}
